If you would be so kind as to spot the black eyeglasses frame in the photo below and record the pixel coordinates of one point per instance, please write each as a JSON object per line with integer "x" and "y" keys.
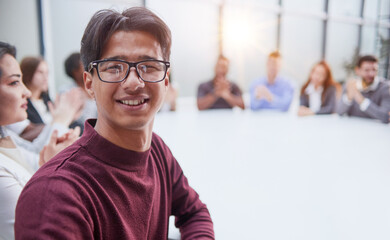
{"x": 94, "y": 64}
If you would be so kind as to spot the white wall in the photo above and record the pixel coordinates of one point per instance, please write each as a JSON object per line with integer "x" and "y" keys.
{"x": 66, "y": 21}
{"x": 19, "y": 26}
{"x": 194, "y": 27}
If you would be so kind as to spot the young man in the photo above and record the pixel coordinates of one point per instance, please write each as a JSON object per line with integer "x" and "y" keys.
{"x": 368, "y": 96}
{"x": 272, "y": 91}
{"x": 119, "y": 181}
{"x": 219, "y": 92}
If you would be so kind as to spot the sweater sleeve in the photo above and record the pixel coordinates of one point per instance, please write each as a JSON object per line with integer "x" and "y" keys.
{"x": 236, "y": 90}
{"x": 254, "y": 102}
{"x": 380, "y": 111}
{"x": 49, "y": 209}
{"x": 203, "y": 90}
{"x": 192, "y": 216}
{"x": 283, "y": 100}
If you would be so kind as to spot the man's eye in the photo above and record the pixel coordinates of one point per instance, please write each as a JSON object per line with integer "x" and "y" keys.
{"x": 115, "y": 69}
{"x": 111, "y": 67}
{"x": 149, "y": 68}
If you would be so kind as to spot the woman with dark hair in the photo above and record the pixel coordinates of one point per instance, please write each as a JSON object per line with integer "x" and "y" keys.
{"x": 16, "y": 163}
{"x": 318, "y": 94}
{"x": 40, "y": 108}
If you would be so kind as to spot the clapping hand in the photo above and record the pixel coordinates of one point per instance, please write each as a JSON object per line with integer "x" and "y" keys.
{"x": 263, "y": 93}
{"x": 352, "y": 91}
{"x": 222, "y": 87}
{"x": 67, "y": 107}
{"x": 57, "y": 144}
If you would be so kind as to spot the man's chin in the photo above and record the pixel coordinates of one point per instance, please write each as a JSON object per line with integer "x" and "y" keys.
{"x": 368, "y": 81}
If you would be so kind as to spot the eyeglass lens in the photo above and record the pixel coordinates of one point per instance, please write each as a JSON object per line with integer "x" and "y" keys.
{"x": 116, "y": 71}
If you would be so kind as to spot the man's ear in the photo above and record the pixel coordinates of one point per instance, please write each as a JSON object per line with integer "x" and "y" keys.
{"x": 88, "y": 84}
{"x": 166, "y": 81}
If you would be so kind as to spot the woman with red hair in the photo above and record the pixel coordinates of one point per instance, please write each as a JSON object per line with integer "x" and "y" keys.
{"x": 318, "y": 94}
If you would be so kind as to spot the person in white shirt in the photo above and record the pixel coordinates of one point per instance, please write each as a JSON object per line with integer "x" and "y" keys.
{"x": 319, "y": 93}
{"x": 40, "y": 107}
{"x": 16, "y": 168}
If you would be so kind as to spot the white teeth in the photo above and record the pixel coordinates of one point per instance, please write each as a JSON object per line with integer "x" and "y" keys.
{"x": 132, "y": 102}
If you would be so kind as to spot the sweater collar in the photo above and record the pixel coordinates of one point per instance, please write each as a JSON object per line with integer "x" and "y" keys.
{"x": 111, "y": 154}
{"x": 372, "y": 87}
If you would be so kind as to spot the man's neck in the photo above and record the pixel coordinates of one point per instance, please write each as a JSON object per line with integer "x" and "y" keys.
{"x": 365, "y": 85}
{"x": 271, "y": 79}
{"x": 135, "y": 140}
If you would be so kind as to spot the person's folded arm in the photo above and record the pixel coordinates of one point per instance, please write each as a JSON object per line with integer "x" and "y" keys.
{"x": 255, "y": 103}
{"x": 380, "y": 111}
{"x": 234, "y": 97}
{"x": 205, "y": 102}
{"x": 205, "y": 97}
{"x": 282, "y": 101}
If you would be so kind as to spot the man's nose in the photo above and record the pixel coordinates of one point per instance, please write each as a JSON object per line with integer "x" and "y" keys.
{"x": 133, "y": 82}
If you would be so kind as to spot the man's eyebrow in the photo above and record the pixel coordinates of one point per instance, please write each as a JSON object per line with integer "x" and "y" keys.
{"x": 119, "y": 57}
{"x": 140, "y": 58}
{"x": 146, "y": 57}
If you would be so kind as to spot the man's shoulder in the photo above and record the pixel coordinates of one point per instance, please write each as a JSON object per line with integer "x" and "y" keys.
{"x": 62, "y": 165}
{"x": 157, "y": 141}
{"x": 161, "y": 148}
{"x": 383, "y": 88}
{"x": 384, "y": 84}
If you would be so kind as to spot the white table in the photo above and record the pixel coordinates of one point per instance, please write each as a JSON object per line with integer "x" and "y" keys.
{"x": 270, "y": 175}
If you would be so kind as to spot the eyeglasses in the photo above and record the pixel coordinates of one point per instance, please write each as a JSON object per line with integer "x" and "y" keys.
{"x": 114, "y": 71}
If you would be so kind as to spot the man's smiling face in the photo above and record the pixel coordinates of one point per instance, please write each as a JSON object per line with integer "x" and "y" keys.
{"x": 133, "y": 103}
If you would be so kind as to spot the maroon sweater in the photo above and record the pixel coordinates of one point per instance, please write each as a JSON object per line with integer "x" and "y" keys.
{"x": 97, "y": 190}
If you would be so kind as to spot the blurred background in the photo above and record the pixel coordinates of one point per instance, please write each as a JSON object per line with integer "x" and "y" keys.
{"x": 271, "y": 175}
{"x": 304, "y": 31}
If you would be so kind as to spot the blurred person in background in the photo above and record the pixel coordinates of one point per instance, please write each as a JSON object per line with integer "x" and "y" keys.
{"x": 272, "y": 91}
{"x": 368, "y": 95}
{"x": 219, "y": 93}
{"x": 319, "y": 93}
{"x": 17, "y": 164}
{"x": 40, "y": 107}
{"x": 170, "y": 98}
{"x": 74, "y": 69}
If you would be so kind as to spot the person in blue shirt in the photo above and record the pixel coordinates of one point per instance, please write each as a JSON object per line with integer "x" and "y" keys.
{"x": 271, "y": 91}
